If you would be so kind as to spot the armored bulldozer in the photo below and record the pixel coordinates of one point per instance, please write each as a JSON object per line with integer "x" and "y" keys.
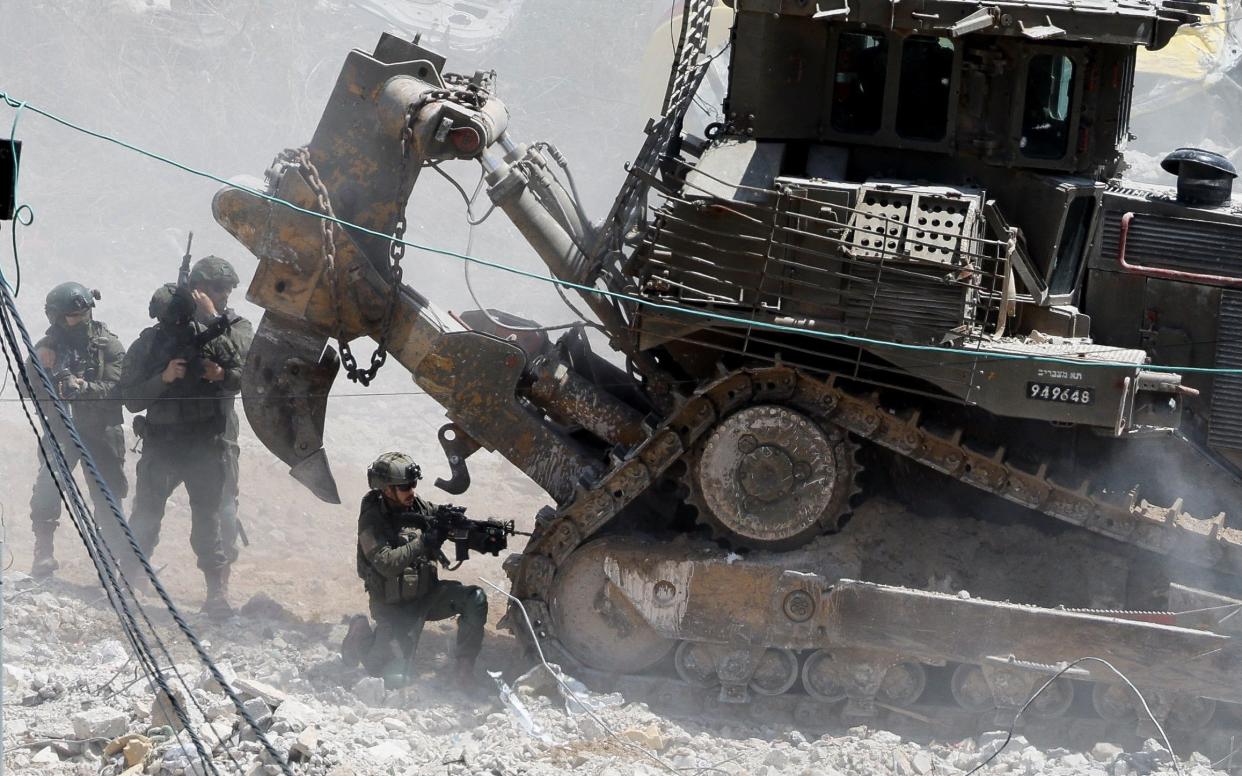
{"x": 910, "y": 242}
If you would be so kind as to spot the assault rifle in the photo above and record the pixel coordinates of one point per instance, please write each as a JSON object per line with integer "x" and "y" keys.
{"x": 448, "y": 523}
{"x": 184, "y": 338}
{"x": 67, "y": 366}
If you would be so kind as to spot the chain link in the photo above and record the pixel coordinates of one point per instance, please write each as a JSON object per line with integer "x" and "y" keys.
{"x": 471, "y": 96}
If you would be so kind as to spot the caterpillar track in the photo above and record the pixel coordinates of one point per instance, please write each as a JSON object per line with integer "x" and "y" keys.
{"x": 815, "y": 639}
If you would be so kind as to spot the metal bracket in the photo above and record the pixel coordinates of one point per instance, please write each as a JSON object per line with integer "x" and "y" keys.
{"x": 458, "y": 446}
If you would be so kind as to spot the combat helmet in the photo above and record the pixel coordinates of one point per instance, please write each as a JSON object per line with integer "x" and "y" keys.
{"x": 393, "y": 469}
{"x": 213, "y": 269}
{"x": 66, "y": 299}
{"x": 171, "y": 305}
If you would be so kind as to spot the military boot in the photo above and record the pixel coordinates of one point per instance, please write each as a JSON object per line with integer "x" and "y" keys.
{"x": 358, "y": 640}
{"x": 216, "y": 605}
{"x": 44, "y": 564}
{"x": 463, "y": 673}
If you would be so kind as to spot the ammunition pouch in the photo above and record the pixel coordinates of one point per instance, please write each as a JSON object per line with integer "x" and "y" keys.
{"x": 413, "y": 584}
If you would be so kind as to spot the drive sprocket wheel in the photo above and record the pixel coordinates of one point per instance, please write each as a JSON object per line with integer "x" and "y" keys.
{"x": 772, "y": 477}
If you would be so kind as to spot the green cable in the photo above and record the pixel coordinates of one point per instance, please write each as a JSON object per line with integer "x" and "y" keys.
{"x": 676, "y": 309}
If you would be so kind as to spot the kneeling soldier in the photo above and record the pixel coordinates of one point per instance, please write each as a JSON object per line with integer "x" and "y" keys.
{"x": 397, "y": 553}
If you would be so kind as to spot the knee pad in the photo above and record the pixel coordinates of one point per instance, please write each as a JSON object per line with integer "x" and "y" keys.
{"x": 478, "y": 599}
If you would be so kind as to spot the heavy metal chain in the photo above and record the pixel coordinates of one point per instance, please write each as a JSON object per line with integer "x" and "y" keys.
{"x": 472, "y": 97}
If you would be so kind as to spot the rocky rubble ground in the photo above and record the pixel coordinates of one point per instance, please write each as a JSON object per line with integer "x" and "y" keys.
{"x": 76, "y": 704}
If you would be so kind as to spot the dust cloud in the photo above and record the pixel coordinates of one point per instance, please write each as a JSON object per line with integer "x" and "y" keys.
{"x": 223, "y": 86}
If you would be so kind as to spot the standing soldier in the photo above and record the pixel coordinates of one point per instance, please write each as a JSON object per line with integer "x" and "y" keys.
{"x": 212, "y": 280}
{"x": 397, "y": 555}
{"x": 84, "y": 359}
{"x": 185, "y": 388}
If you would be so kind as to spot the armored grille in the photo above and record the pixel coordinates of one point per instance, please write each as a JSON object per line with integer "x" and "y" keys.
{"x": 1225, "y": 428}
{"x": 913, "y": 223}
{"x": 1175, "y": 243}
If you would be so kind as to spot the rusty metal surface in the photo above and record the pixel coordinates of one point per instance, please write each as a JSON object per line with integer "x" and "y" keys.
{"x": 771, "y": 476}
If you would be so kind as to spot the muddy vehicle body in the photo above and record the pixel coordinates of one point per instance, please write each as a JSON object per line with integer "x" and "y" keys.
{"x": 907, "y": 238}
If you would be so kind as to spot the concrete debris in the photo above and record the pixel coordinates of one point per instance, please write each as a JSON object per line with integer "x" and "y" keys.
{"x": 330, "y": 720}
{"x": 134, "y": 748}
{"x": 164, "y": 710}
{"x": 99, "y": 722}
{"x": 253, "y": 688}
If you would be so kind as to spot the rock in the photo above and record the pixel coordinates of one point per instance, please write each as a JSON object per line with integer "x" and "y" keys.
{"x": 262, "y": 606}
{"x": 99, "y": 722}
{"x": 387, "y": 751}
{"x": 777, "y": 759}
{"x": 208, "y": 682}
{"x": 253, "y": 688}
{"x": 134, "y": 747}
{"x": 370, "y": 690}
{"x": 1105, "y": 752}
{"x": 648, "y": 737}
{"x": 15, "y": 678}
{"x": 885, "y": 738}
{"x": 45, "y": 756}
{"x": 220, "y": 708}
{"x": 1076, "y": 760}
{"x": 537, "y": 681}
{"x": 163, "y": 710}
{"x": 1031, "y": 761}
{"x": 305, "y": 745}
{"x": 922, "y": 763}
{"x": 294, "y": 715}
{"x": 394, "y": 724}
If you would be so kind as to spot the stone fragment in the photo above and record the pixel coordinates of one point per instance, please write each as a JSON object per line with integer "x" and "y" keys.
{"x": 99, "y": 722}
{"x": 922, "y": 763}
{"x": 164, "y": 711}
{"x": 885, "y": 738}
{"x": 305, "y": 745}
{"x": 387, "y": 751}
{"x": 294, "y": 715}
{"x": 1105, "y": 752}
{"x": 208, "y": 682}
{"x": 1075, "y": 760}
{"x": 648, "y": 737}
{"x": 537, "y": 681}
{"x": 370, "y": 690}
{"x": 45, "y": 756}
{"x": 776, "y": 758}
{"x": 253, "y": 688}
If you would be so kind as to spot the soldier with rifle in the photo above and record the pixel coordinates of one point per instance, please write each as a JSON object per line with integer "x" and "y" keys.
{"x": 84, "y": 359}
{"x": 400, "y": 537}
{"x": 184, "y": 375}
{"x": 212, "y": 280}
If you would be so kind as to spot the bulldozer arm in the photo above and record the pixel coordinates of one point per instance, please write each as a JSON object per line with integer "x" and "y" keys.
{"x": 288, "y": 375}
{"x": 388, "y": 117}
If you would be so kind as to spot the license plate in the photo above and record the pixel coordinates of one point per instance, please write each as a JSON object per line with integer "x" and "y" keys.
{"x": 1065, "y": 394}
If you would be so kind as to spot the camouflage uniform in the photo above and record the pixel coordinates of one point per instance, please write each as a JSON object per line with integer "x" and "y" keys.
{"x": 93, "y": 354}
{"x": 396, "y": 562}
{"x": 212, "y": 269}
{"x": 183, "y": 439}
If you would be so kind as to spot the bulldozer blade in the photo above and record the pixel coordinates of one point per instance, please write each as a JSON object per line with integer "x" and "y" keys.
{"x": 285, "y": 386}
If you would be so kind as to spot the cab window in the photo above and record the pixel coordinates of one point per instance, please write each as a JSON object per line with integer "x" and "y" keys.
{"x": 858, "y": 87}
{"x": 1046, "y": 110}
{"x": 923, "y": 97}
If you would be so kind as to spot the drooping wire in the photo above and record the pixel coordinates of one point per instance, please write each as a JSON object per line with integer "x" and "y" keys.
{"x": 94, "y": 539}
{"x": 1142, "y": 701}
{"x": 619, "y": 296}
